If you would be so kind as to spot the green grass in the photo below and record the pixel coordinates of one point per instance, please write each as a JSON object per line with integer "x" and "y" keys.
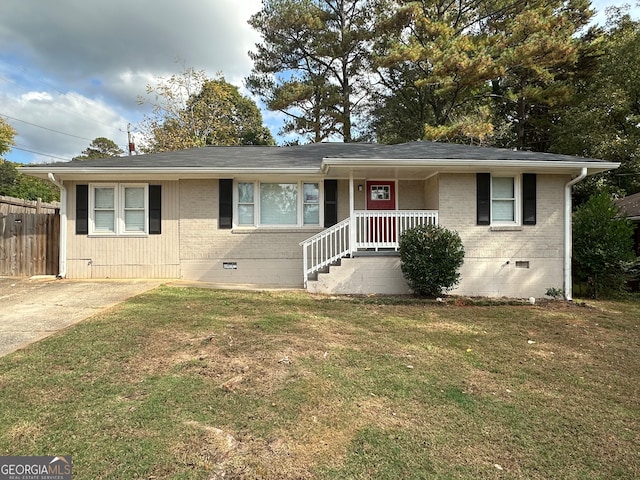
{"x": 203, "y": 384}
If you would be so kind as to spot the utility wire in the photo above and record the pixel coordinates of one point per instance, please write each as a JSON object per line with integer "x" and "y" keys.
{"x": 44, "y": 128}
{"x": 50, "y": 85}
{"x": 122, "y": 146}
{"x": 13, "y": 147}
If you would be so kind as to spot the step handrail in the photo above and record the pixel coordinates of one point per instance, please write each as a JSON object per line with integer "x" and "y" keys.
{"x": 325, "y": 248}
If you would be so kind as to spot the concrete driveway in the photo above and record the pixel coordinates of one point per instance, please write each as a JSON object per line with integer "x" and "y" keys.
{"x": 31, "y": 309}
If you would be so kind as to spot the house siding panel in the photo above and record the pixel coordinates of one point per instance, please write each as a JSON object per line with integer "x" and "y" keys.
{"x": 153, "y": 256}
{"x": 411, "y": 195}
{"x": 343, "y": 199}
{"x": 431, "y": 193}
{"x": 360, "y": 198}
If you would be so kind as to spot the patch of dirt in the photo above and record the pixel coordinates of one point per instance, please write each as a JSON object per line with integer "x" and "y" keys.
{"x": 229, "y": 455}
{"x": 25, "y": 432}
{"x": 214, "y": 449}
{"x": 483, "y": 383}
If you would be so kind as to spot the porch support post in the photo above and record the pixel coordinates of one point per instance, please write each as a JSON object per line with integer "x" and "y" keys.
{"x": 352, "y": 218}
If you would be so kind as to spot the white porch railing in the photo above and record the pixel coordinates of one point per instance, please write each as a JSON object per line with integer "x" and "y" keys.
{"x": 325, "y": 248}
{"x": 366, "y": 230}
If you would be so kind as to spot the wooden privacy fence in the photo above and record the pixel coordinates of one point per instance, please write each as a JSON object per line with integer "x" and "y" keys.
{"x": 19, "y": 205}
{"x": 29, "y": 241}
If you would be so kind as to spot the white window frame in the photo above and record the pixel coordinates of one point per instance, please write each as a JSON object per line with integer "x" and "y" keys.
{"x": 305, "y": 202}
{"x": 385, "y": 189}
{"x": 517, "y": 200}
{"x": 237, "y": 204}
{"x": 300, "y": 202}
{"x": 119, "y": 210}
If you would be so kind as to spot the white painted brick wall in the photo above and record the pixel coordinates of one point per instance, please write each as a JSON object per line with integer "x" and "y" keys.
{"x": 263, "y": 256}
{"x": 491, "y": 256}
{"x": 272, "y": 257}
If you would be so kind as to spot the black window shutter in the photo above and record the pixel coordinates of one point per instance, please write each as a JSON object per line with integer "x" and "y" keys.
{"x": 155, "y": 209}
{"x": 225, "y": 217}
{"x": 483, "y": 198}
{"x": 529, "y": 199}
{"x": 330, "y": 202}
{"x": 82, "y": 209}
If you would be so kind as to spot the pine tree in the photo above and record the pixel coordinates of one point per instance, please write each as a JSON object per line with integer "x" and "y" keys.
{"x": 312, "y": 64}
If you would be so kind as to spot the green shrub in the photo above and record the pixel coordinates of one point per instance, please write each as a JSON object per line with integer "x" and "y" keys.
{"x": 602, "y": 245}
{"x": 555, "y": 293}
{"x": 431, "y": 256}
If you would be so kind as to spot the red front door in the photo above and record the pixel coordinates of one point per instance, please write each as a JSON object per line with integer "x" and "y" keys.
{"x": 381, "y": 195}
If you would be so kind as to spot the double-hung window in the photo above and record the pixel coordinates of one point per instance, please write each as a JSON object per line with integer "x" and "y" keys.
{"x": 118, "y": 209}
{"x": 246, "y": 203}
{"x": 103, "y": 209}
{"x": 277, "y": 204}
{"x": 503, "y": 200}
{"x": 311, "y": 204}
{"x": 506, "y": 200}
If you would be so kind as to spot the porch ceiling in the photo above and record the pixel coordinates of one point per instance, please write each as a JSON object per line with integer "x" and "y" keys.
{"x": 380, "y": 172}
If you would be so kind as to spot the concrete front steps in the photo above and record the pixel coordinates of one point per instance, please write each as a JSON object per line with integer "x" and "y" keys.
{"x": 365, "y": 273}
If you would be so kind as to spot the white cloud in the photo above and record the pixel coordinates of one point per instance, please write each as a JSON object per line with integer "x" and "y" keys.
{"x": 36, "y": 96}
{"x": 67, "y": 121}
{"x": 79, "y": 67}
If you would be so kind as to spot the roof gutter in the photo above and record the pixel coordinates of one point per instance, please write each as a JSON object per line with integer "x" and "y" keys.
{"x": 218, "y": 172}
{"x": 533, "y": 165}
{"x": 62, "y": 260}
{"x": 568, "y": 240}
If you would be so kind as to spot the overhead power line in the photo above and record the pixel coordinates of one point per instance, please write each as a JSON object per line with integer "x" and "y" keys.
{"x": 14, "y": 147}
{"x": 44, "y": 128}
{"x": 49, "y": 85}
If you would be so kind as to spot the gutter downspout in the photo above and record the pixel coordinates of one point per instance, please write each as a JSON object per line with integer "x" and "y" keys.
{"x": 568, "y": 240}
{"x": 62, "y": 260}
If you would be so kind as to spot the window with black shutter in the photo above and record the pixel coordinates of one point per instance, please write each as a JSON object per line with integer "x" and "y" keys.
{"x": 82, "y": 209}
{"x": 529, "y": 199}
{"x": 330, "y": 203}
{"x": 483, "y": 198}
{"x": 499, "y": 198}
{"x": 225, "y": 213}
{"x": 155, "y": 209}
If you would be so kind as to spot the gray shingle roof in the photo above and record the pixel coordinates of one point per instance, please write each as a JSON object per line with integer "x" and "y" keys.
{"x": 452, "y": 151}
{"x": 309, "y": 156}
{"x": 630, "y": 205}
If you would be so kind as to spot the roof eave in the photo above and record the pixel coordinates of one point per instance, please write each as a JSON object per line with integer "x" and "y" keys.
{"x": 162, "y": 172}
{"x": 470, "y": 165}
{"x": 449, "y": 165}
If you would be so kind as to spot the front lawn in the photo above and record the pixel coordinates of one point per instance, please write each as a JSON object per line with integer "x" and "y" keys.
{"x": 204, "y": 384}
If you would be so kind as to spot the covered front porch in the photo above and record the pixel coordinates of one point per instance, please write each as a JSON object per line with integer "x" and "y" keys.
{"x": 384, "y": 200}
{"x": 364, "y": 230}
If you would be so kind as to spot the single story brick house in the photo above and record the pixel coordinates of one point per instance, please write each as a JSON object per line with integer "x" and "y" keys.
{"x": 326, "y": 216}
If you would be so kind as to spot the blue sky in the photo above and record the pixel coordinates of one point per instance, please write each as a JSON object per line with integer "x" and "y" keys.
{"x": 71, "y": 71}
